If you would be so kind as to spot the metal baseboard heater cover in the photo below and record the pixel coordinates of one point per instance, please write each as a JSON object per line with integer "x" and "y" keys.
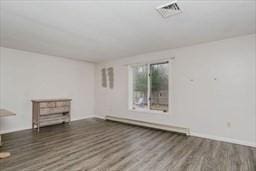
{"x": 185, "y": 131}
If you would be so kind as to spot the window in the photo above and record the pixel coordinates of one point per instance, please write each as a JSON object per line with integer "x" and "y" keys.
{"x": 149, "y": 87}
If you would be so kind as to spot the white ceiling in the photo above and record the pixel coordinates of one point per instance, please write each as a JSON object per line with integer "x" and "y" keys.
{"x": 102, "y": 30}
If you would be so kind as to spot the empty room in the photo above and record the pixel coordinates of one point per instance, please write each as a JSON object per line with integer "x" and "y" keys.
{"x": 118, "y": 85}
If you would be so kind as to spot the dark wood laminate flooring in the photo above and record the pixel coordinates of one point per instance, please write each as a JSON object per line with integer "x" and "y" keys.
{"x": 95, "y": 144}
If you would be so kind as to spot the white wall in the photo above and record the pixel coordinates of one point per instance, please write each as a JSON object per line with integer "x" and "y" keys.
{"x": 205, "y": 105}
{"x": 25, "y": 76}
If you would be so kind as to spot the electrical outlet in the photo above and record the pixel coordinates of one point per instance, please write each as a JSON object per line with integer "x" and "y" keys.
{"x": 229, "y": 124}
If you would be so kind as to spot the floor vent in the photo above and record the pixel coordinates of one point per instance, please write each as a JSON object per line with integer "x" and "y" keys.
{"x": 169, "y": 9}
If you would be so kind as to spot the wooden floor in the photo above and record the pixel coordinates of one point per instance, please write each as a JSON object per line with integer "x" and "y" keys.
{"x": 95, "y": 144}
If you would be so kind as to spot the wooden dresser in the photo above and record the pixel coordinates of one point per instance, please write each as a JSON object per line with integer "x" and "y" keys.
{"x": 50, "y": 111}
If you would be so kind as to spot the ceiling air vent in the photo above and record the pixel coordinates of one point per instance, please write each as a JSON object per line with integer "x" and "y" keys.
{"x": 169, "y": 9}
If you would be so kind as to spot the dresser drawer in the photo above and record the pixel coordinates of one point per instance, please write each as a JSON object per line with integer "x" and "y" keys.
{"x": 50, "y": 120}
{"x": 63, "y": 103}
{"x": 47, "y": 104}
{"x": 57, "y": 116}
{"x": 47, "y": 111}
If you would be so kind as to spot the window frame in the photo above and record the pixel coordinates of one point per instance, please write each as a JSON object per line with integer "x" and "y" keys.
{"x": 130, "y": 88}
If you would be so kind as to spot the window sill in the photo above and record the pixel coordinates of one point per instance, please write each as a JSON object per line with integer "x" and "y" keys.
{"x": 148, "y": 111}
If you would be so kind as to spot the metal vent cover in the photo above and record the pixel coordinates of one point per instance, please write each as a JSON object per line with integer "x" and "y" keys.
{"x": 169, "y": 9}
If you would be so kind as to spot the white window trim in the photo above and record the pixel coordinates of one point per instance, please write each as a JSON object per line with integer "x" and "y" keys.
{"x": 149, "y": 111}
{"x": 130, "y": 88}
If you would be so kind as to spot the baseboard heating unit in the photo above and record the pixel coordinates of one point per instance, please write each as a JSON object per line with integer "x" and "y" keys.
{"x": 185, "y": 131}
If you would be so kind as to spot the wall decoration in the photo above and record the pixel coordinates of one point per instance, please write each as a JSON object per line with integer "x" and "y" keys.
{"x": 111, "y": 77}
{"x": 103, "y": 78}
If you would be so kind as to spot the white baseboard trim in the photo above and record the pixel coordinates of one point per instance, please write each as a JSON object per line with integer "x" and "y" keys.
{"x": 14, "y": 130}
{"x": 25, "y": 128}
{"x": 223, "y": 139}
{"x": 171, "y": 128}
{"x": 86, "y": 117}
{"x": 150, "y": 125}
{"x": 154, "y": 125}
{"x": 100, "y": 117}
